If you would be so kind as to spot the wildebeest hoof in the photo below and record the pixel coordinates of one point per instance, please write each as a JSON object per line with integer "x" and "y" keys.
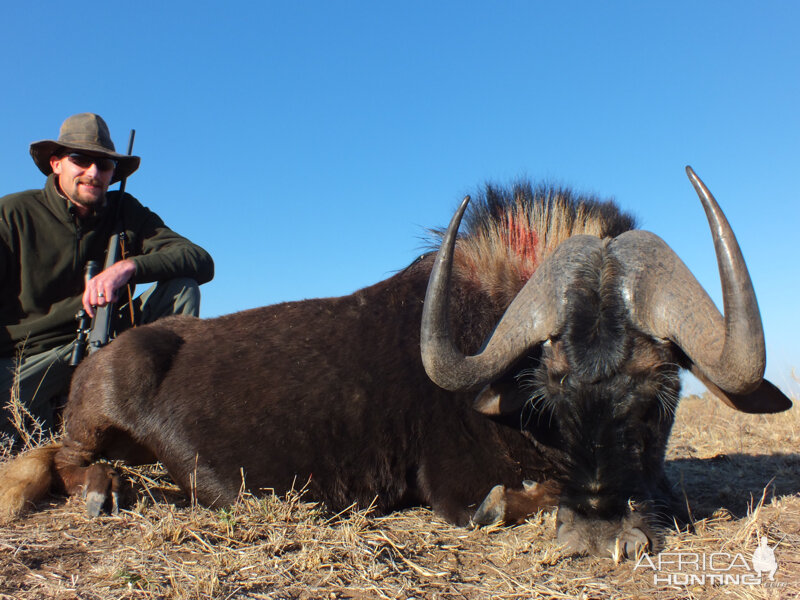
{"x": 102, "y": 483}
{"x": 510, "y": 506}
{"x": 492, "y": 510}
{"x": 94, "y": 503}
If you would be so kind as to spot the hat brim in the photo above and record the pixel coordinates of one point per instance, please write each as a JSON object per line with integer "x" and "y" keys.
{"x": 42, "y": 151}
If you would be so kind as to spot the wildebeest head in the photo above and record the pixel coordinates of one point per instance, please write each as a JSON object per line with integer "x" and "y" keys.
{"x": 589, "y": 352}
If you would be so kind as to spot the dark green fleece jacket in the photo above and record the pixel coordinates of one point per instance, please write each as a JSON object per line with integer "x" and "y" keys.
{"x": 44, "y": 248}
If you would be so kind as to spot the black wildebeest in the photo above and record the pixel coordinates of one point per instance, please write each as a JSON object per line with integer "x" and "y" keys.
{"x": 559, "y": 322}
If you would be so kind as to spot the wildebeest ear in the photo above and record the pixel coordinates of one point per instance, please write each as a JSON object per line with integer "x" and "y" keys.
{"x": 500, "y": 398}
{"x": 766, "y": 398}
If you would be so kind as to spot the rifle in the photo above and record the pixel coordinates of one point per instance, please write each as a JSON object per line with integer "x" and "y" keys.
{"x": 84, "y": 320}
{"x": 98, "y": 335}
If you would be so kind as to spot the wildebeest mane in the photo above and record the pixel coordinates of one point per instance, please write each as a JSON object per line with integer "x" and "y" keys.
{"x": 509, "y": 230}
{"x": 550, "y": 208}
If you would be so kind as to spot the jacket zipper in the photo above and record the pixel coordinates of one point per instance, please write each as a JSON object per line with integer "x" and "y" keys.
{"x": 76, "y": 255}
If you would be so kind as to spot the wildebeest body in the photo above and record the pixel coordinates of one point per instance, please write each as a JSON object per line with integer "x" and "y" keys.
{"x": 327, "y": 392}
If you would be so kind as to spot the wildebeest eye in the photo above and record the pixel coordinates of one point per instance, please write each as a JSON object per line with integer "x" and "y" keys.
{"x": 634, "y": 442}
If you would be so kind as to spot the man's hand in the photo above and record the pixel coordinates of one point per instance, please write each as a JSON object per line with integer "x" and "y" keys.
{"x": 104, "y": 287}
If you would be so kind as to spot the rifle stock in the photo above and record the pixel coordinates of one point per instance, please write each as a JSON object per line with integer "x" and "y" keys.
{"x": 101, "y": 324}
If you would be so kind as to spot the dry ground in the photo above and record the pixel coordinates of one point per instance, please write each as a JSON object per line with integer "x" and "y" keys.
{"x": 740, "y": 475}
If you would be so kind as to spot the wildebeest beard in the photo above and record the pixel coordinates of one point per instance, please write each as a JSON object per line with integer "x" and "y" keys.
{"x": 602, "y": 399}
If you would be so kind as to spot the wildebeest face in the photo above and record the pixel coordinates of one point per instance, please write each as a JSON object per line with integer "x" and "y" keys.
{"x": 608, "y": 437}
{"x": 605, "y": 437}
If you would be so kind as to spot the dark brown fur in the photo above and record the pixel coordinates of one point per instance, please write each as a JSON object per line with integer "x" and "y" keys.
{"x": 331, "y": 392}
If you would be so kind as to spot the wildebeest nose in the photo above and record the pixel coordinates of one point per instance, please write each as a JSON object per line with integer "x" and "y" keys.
{"x": 628, "y": 544}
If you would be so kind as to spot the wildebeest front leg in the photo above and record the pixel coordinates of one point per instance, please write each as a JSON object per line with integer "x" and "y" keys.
{"x": 105, "y": 392}
{"x": 510, "y": 506}
{"x": 97, "y": 482}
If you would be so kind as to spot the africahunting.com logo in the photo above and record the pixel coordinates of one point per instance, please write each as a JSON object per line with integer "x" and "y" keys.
{"x": 712, "y": 568}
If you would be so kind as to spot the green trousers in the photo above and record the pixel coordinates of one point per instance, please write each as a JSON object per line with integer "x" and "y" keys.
{"x": 43, "y": 379}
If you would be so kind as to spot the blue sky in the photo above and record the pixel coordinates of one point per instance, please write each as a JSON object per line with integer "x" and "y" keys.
{"x": 307, "y": 145}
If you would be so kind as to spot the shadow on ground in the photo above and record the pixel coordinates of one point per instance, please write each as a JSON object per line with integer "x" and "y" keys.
{"x": 733, "y": 482}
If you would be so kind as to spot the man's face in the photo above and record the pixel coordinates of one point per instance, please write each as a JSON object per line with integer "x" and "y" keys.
{"x": 83, "y": 179}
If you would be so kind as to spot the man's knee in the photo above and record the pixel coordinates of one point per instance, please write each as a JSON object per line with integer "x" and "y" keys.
{"x": 187, "y": 296}
{"x": 179, "y": 296}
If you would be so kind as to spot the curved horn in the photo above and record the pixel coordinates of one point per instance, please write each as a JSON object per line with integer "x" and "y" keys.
{"x": 535, "y": 314}
{"x": 666, "y": 301}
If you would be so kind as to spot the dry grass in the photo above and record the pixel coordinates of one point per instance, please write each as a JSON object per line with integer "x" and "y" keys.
{"x": 31, "y": 433}
{"x": 740, "y": 474}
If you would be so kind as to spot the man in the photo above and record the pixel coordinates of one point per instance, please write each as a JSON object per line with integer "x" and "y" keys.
{"x": 46, "y": 238}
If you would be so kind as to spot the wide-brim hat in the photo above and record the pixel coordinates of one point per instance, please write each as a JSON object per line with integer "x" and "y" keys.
{"x": 86, "y": 133}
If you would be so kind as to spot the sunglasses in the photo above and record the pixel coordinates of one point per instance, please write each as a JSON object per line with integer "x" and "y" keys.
{"x": 84, "y": 162}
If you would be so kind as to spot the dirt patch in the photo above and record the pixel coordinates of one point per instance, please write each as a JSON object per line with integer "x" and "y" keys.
{"x": 740, "y": 475}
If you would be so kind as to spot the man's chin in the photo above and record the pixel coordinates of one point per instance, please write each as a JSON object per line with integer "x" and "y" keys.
{"x": 91, "y": 202}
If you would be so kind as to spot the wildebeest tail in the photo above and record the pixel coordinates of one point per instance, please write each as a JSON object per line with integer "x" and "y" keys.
{"x": 25, "y": 480}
